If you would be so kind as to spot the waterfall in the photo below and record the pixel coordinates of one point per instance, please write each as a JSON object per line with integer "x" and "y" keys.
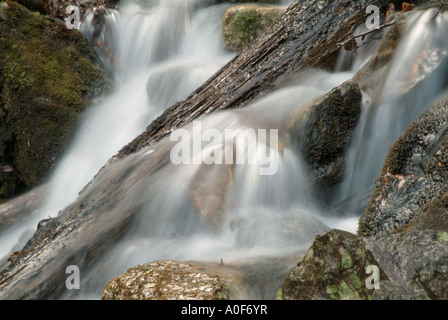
{"x": 252, "y": 216}
{"x": 392, "y": 107}
{"x": 157, "y": 54}
{"x": 157, "y": 61}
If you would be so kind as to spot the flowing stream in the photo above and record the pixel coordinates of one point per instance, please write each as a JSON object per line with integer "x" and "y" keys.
{"x": 232, "y": 213}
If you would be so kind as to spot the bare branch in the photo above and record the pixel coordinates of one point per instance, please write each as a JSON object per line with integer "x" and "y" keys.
{"x": 442, "y": 3}
{"x": 350, "y": 43}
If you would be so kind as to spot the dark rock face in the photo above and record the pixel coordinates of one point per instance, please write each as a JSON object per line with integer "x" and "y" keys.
{"x": 433, "y": 217}
{"x": 165, "y": 280}
{"x": 48, "y": 76}
{"x": 411, "y": 266}
{"x": 324, "y": 131}
{"x": 414, "y": 173}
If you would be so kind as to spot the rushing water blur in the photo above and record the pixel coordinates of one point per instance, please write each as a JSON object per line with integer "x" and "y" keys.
{"x": 159, "y": 53}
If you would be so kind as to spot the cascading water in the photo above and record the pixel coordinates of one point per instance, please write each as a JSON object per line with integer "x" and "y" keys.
{"x": 211, "y": 212}
{"x": 416, "y": 76}
{"x": 218, "y": 212}
{"x": 157, "y": 61}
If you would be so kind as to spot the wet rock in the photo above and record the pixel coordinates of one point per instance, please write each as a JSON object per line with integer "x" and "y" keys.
{"x": 433, "y": 217}
{"x": 25, "y": 206}
{"x": 414, "y": 173}
{"x": 306, "y": 36}
{"x": 324, "y": 130}
{"x": 165, "y": 280}
{"x": 41, "y": 6}
{"x": 416, "y": 264}
{"x": 410, "y": 266}
{"x": 244, "y": 23}
{"x": 48, "y": 76}
{"x": 208, "y": 191}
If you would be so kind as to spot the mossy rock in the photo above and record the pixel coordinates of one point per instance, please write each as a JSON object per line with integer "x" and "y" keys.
{"x": 409, "y": 266}
{"x": 244, "y": 23}
{"x": 334, "y": 268}
{"x": 48, "y": 76}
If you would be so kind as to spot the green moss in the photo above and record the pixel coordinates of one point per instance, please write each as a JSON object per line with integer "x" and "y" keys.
{"x": 347, "y": 261}
{"x": 356, "y": 281}
{"x": 243, "y": 24}
{"x": 442, "y": 236}
{"x": 246, "y": 24}
{"x": 327, "y": 277}
{"x": 279, "y": 295}
{"x": 346, "y": 293}
{"x": 48, "y": 75}
{"x": 331, "y": 290}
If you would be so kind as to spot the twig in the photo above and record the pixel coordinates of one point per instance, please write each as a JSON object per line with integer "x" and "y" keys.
{"x": 366, "y": 42}
{"x": 351, "y": 39}
{"x": 442, "y": 3}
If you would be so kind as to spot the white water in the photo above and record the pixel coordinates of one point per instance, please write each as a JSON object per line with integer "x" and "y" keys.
{"x": 390, "y": 110}
{"x": 155, "y": 55}
{"x": 264, "y": 217}
{"x": 159, "y": 62}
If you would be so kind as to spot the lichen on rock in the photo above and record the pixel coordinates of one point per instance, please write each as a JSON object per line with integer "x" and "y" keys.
{"x": 165, "y": 280}
{"x": 334, "y": 268}
{"x": 411, "y": 265}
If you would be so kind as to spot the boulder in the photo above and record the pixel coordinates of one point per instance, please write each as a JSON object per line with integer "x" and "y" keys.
{"x": 48, "y": 76}
{"x": 410, "y": 266}
{"x": 333, "y": 268}
{"x": 324, "y": 130}
{"x": 244, "y": 23}
{"x": 165, "y": 280}
{"x": 414, "y": 173}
